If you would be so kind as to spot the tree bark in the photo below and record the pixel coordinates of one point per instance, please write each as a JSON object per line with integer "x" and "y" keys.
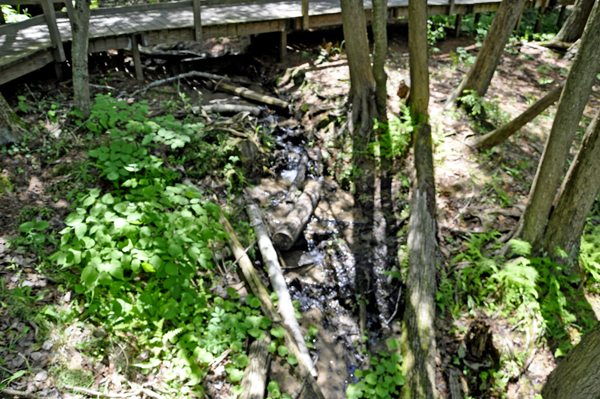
{"x": 379, "y": 24}
{"x": 576, "y": 196}
{"x": 497, "y": 136}
{"x": 577, "y": 376}
{"x": 578, "y": 86}
{"x": 418, "y": 100}
{"x": 11, "y": 129}
{"x": 575, "y": 24}
{"x": 254, "y": 382}
{"x": 79, "y": 55}
{"x": 480, "y": 75}
{"x": 418, "y": 330}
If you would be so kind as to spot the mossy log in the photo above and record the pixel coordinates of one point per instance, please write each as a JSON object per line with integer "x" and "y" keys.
{"x": 497, "y": 136}
{"x": 249, "y": 275}
{"x": 288, "y": 232}
{"x": 418, "y": 330}
{"x": 254, "y": 382}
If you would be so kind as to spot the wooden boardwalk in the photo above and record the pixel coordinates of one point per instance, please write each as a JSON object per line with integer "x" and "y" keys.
{"x": 29, "y": 45}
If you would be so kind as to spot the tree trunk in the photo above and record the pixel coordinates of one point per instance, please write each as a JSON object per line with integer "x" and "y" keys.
{"x": 577, "y": 376}
{"x": 11, "y": 129}
{"x": 418, "y": 100}
{"x": 574, "y": 97}
{"x": 576, "y": 196}
{"x": 573, "y": 28}
{"x": 379, "y": 24}
{"x": 418, "y": 330}
{"x": 80, "y": 28}
{"x": 481, "y": 72}
{"x": 497, "y": 136}
{"x": 254, "y": 382}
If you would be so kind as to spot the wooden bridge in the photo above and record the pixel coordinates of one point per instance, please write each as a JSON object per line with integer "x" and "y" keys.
{"x": 29, "y": 45}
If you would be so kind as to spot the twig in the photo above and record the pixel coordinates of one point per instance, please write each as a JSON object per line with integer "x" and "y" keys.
{"x": 240, "y": 257}
{"x": 395, "y": 310}
{"x": 226, "y": 129}
{"x": 183, "y": 75}
{"x": 114, "y": 395}
{"x": 14, "y": 392}
{"x": 103, "y": 87}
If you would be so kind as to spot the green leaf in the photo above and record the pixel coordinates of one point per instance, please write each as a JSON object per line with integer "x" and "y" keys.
{"x": 278, "y": 332}
{"x": 242, "y": 361}
{"x": 283, "y": 351}
{"x": 399, "y": 378}
{"x": 393, "y": 344}
{"x": 272, "y": 347}
{"x": 273, "y": 389}
{"x": 381, "y": 391}
{"x": 42, "y": 225}
{"x": 313, "y": 330}
{"x": 291, "y": 359}
{"x": 171, "y": 269}
{"x": 175, "y": 250}
{"x": 371, "y": 378}
{"x": 235, "y": 374}
{"x": 108, "y": 199}
{"x": 354, "y": 392}
{"x": 80, "y": 231}
{"x": 148, "y": 267}
{"x": 29, "y": 226}
{"x": 74, "y": 219}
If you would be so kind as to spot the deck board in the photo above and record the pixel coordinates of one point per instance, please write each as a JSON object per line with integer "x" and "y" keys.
{"x": 22, "y": 43}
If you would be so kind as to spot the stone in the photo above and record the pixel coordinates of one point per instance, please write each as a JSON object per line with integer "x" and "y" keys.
{"x": 47, "y": 345}
{"x": 18, "y": 361}
{"x": 41, "y": 376}
{"x": 36, "y": 356}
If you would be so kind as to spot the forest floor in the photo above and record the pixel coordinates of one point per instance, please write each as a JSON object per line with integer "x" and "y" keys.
{"x": 488, "y": 346}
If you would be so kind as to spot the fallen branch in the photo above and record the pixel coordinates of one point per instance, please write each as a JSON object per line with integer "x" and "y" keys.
{"x": 229, "y": 109}
{"x": 269, "y": 255}
{"x": 14, "y": 392}
{"x": 255, "y": 376}
{"x": 114, "y": 395}
{"x": 191, "y": 74}
{"x": 288, "y": 232}
{"x": 248, "y": 273}
{"x": 252, "y": 95}
{"x": 499, "y": 135}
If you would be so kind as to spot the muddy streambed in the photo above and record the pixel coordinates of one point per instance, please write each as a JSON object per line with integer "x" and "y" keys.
{"x": 320, "y": 268}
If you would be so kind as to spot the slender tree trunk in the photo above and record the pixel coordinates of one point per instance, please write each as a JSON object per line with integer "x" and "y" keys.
{"x": 574, "y": 97}
{"x": 497, "y": 136}
{"x": 577, "y": 377}
{"x": 362, "y": 90}
{"x": 481, "y": 72}
{"x": 418, "y": 100}
{"x": 576, "y": 196}
{"x": 418, "y": 331}
{"x": 379, "y": 24}
{"x": 11, "y": 129}
{"x": 573, "y": 28}
{"x": 80, "y": 28}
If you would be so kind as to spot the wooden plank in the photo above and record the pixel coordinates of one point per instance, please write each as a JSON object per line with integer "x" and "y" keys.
{"x": 197, "y": 20}
{"x": 305, "y": 16}
{"x": 53, "y": 29}
{"x": 69, "y": 7}
{"x": 26, "y": 65}
{"x": 19, "y": 26}
{"x": 141, "y": 8}
{"x": 137, "y": 60}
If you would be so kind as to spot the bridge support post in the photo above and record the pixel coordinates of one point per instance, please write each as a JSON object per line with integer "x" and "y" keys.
{"x": 2, "y": 20}
{"x": 457, "y": 25}
{"x": 561, "y": 17}
{"x": 283, "y": 43}
{"x": 137, "y": 60}
{"x": 305, "y": 16}
{"x": 542, "y": 10}
{"x": 197, "y": 20}
{"x": 477, "y": 18}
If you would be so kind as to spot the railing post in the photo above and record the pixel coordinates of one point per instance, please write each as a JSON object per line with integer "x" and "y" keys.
{"x": 457, "y": 25}
{"x": 69, "y": 7}
{"x": 2, "y": 20}
{"x": 59, "y": 53}
{"x": 197, "y": 20}
{"x": 305, "y": 17}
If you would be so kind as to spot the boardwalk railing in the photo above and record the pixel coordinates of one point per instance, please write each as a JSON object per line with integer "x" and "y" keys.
{"x": 181, "y": 21}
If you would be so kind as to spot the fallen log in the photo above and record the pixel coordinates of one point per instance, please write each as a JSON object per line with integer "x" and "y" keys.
{"x": 252, "y": 95}
{"x": 229, "y": 109}
{"x": 269, "y": 255}
{"x": 191, "y": 74}
{"x": 288, "y": 232}
{"x": 299, "y": 180}
{"x": 497, "y": 136}
{"x": 248, "y": 273}
{"x": 254, "y": 382}
{"x": 418, "y": 327}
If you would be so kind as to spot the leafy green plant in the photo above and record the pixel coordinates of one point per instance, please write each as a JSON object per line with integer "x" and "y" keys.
{"x": 383, "y": 379}
{"x": 394, "y": 135}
